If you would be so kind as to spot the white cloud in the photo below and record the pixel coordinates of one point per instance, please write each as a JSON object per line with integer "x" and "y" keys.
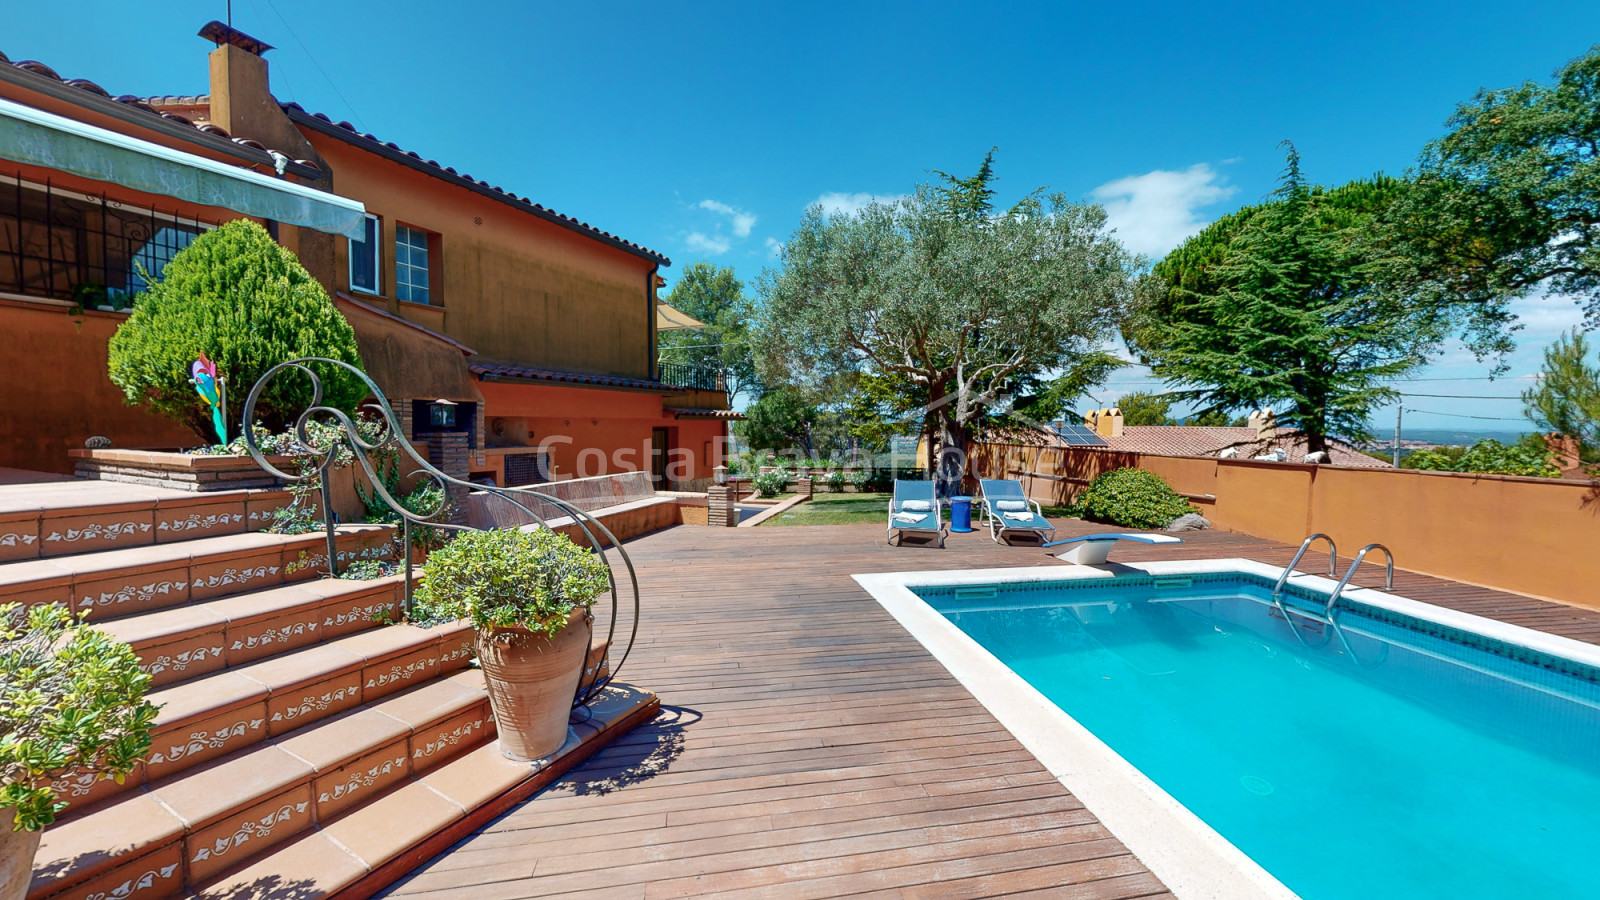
{"x": 742, "y": 221}
{"x": 838, "y": 203}
{"x": 774, "y": 247}
{"x": 1544, "y": 316}
{"x": 708, "y": 244}
{"x": 1154, "y": 212}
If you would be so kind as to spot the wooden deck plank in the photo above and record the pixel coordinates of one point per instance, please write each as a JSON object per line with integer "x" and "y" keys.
{"x": 808, "y": 747}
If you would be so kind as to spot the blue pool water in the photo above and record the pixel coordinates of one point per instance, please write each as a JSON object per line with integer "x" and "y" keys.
{"x": 1405, "y": 760}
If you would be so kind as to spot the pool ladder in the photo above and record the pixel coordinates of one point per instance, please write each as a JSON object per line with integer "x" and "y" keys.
{"x": 1333, "y": 563}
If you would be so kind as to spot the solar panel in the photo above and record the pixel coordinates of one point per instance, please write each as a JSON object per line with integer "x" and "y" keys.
{"x": 1079, "y": 435}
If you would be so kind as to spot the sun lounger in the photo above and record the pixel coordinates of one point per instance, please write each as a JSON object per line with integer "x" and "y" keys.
{"x": 1007, "y": 509}
{"x": 1091, "y": 549}
{"x": 915, "y": 510}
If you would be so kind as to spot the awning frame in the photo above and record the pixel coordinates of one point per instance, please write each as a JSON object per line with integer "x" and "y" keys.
{"x": 35, "y": 137}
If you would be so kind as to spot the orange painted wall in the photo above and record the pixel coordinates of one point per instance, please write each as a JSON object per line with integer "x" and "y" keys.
{"x": 603, "y": 421}
{"x": 512, "y": 286}
{"x": 54, "y": 392}
{"x": 1538, "y": 536}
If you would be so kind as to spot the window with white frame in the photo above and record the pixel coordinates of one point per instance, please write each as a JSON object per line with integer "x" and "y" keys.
{"x": 410, "y": 264}
{"x": 364, "y": 259}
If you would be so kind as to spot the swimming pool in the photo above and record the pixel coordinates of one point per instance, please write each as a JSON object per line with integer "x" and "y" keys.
{"x": 1409, "y": 752}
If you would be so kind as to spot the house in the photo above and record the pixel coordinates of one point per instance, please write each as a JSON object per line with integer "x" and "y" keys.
{"x": 1260, "y": 438}
{"x": 514, "y": 340}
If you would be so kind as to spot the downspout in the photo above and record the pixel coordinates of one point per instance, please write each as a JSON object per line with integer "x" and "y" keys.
{"x": 650, "y": 318}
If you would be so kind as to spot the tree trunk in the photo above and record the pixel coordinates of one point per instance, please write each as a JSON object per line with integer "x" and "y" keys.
{"x": 952, "y": 462}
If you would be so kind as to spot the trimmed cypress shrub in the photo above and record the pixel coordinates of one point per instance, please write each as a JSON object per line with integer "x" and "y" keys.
{"x": 248, "y": 304}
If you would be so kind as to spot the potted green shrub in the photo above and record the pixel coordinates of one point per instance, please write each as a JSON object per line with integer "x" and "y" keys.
{"x": 528, "y": 594}
{"x": 71, "y": 704}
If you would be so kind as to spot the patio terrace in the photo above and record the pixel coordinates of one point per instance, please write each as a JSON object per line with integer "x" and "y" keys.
{"x": 808, "y": 747}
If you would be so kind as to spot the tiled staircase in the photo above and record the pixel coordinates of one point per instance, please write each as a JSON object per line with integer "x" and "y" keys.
{"x": 303, "y": 748}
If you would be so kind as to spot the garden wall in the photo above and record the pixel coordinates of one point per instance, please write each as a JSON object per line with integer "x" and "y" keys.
{"x": 1537, "y": 536}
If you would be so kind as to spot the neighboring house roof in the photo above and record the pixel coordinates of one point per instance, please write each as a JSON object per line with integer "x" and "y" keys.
{"x": 136, "y": 111}
{"x": 492, "y": 372}
{"x": 1195, "y": 440}
{"x": 347, "y": 132}
{"x": 1202, "y": 440}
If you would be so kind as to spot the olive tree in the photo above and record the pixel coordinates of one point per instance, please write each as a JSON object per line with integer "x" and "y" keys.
{"x": 939, "y": 291}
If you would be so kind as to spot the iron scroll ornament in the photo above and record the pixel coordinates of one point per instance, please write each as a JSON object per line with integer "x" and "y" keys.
{"x": 393, "y": 438}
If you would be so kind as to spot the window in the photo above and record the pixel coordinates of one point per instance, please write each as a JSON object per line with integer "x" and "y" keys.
{"x": 410, "y": 264}
{"x": 364, "y": 259}
{"x": 68, "y": 245}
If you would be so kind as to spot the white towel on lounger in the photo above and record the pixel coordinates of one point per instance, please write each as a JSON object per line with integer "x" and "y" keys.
{"x": 909, "y": 518}
{"x": 1019, "y": 516}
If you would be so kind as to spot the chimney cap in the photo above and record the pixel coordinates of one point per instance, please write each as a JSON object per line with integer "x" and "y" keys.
{"x": 219, "y": 34}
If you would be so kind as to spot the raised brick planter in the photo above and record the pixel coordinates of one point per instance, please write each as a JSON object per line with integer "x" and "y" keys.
{"x": 178, "y": 471}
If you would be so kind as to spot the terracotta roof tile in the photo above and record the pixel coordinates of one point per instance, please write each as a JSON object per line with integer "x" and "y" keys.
{"x": 350, "y": 133}
{"x": 1201, "y": 440}
{"x": 131, "y": 101}
{"x": 526, "y": 373}
{"x": 686, "y": 413}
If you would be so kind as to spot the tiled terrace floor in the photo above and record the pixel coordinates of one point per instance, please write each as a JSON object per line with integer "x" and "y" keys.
{"x": 808, "y": 747}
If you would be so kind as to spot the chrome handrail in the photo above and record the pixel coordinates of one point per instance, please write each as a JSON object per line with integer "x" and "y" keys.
{"x": 1333, "y": 562}
{"x": 1388, "y": 578}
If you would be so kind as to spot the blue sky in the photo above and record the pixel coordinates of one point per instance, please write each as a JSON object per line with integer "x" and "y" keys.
{"x": 703, "y": 131}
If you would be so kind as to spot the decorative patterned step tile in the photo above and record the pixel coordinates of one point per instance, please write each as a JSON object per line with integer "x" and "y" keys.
{"x": 189, "y": 516}
{"x": 378, "y": 843}
{"x": 239, "y": 806}
{"x": 19, "y": 535}
{"x": 75, "y": 862}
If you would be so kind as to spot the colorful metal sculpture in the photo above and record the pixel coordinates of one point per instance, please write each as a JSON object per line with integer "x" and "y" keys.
{"x": 204, "y": 375}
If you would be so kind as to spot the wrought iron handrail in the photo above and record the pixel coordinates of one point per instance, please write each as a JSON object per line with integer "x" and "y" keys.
{"x": 393, "y": 439}
{"x": 688, "y": 376}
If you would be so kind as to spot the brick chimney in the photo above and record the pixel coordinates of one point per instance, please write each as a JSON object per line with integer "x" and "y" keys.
{"x": 1104, "y": 422}
{"x": 1265, "y": 423}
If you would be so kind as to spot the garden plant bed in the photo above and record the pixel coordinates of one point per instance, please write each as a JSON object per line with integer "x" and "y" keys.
{"x": 175, "y": 469}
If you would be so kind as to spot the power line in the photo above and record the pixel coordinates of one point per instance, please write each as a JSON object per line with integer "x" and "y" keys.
{"x": 1465, "y": 416}
{"x": 348, "y": 105}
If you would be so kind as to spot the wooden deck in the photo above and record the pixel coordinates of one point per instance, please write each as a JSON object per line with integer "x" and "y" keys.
{"x": 808, "y": 747}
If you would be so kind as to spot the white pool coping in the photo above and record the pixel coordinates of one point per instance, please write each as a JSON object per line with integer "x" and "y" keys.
{"x": 1189, "y": 856}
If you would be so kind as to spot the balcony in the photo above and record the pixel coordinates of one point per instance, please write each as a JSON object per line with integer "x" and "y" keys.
{"x": 686, "y": 376}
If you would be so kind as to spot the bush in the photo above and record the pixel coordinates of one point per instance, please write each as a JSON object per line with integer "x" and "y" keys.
{"x": 834, "y": 479}
{"x": 1132, "y": 498}
{"x": 510, "y": 578}
{"x": 71, "y": 706}
{"x": 1486, "y": 457}
{"x": 247, "y": 303}
{"x": 859, "y": 477}
{"x": 770, "y": 484}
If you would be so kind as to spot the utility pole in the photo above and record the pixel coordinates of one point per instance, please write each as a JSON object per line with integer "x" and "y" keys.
{"x": 1399, "y": 411}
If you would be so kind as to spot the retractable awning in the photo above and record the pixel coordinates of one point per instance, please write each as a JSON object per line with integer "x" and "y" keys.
{"x": 39, "y": 138}
{"x": 669, "y": 318}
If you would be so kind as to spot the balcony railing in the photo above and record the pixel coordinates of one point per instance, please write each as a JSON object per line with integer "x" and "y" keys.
{"x": 687, "y": 376}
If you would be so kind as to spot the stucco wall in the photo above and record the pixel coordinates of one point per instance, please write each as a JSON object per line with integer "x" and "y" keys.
{"x": 1534, "y": 535}
{"x": 511, "y": 286}
{"x": 54, "y": 392}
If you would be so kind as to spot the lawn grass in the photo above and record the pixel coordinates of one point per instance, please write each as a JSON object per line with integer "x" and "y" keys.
{"x": 835, "y": 509}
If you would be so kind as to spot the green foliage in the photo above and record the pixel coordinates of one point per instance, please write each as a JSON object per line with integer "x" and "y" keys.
{"x": 1132, "y": 498}
{"x": 782, "y": 419}
{"x": 1145, "y": 408}
{"x": 510, "y": 578}
{"x": 1045, "y": 400}
{"x": 1216, "y": 418}
{"x": 368, "y": 569}
{"x": 861, "y": 478}
{"x": 1509, "y": 200}
{"x": 71, "y": 704}
{"x": 716, "y": 297}
{"x": 1486, "y": 457}
{"x": 1284, "y": 305}
{"x": 769, "y": 484}
{"x": 247, "y": 303}
{"x": 1566, "y": 399}
{"x": 834, "y": 479}
{"x": 941, "y": 294}
{"x": 425, "y": 499}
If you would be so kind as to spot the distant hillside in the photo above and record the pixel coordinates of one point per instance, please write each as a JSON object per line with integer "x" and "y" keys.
{"x": 1464, "y": 436}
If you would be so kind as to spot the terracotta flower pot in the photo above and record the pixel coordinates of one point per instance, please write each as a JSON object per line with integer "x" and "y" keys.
{"x": 532, "y": 682}
{"x": 16, "y": 858}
